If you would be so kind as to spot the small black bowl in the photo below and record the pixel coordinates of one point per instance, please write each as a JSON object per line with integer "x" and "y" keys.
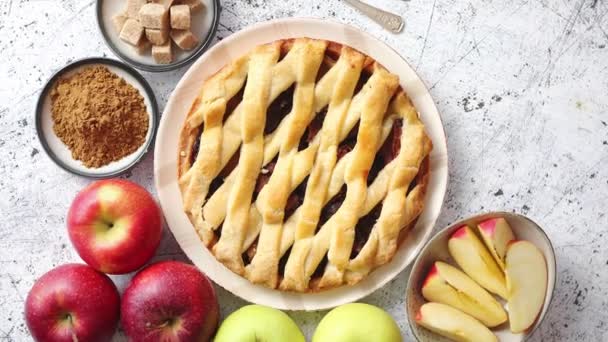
{"x": 153, "y": 67}
{"x": 59, "y": 153}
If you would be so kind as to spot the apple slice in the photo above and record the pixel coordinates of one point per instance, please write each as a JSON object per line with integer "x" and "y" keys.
{"x": 448, "y": 285}
{"x": 475, "y": 260}
{"x": 526, "y": 284}
{"x": 453, "y": 324}
{"x": 496, "y": 234}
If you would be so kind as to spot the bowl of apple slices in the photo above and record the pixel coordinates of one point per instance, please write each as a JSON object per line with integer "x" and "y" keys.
{"x": 486, "y": 278}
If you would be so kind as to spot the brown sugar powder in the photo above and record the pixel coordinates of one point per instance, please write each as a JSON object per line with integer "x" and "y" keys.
{"x": 98, "y": 115}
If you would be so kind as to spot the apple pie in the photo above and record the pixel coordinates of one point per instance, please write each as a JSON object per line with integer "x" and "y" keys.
{"x": 303, "y": 164}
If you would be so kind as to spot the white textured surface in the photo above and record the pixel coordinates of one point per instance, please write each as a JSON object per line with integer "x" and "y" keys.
{"x": 522, "y": 87}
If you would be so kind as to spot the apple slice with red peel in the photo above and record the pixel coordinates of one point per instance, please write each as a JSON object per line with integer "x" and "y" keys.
{"x": 496, "y": 234}
{"x": 526, "y": 271}
{"x": 453, "y": 324}
{"x": 475, "y": 260}
{"x": 448, "y": 285}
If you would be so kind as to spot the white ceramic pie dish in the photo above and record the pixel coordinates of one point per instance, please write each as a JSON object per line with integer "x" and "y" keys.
{"x": 437, "y": 250}
{"x": 165, "y": 167}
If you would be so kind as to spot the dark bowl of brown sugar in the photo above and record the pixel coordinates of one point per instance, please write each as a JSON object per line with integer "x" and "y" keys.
{"x": 96, "y": 117}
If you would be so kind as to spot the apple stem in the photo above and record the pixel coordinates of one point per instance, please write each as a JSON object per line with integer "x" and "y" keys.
{"x": 68, "y": 318}
{"x": 168, "y": 323}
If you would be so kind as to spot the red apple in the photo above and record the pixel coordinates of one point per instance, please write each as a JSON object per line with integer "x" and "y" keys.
{"x": 170, "y": 301}
{"x": 115, "y": 225}
{"x": 73, "y": 302}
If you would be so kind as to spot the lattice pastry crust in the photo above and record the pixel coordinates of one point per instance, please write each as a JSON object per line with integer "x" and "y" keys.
{"x": 303, "y": 164}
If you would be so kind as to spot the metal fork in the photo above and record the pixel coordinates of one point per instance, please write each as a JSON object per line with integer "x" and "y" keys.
{"x": 388, "y": 20}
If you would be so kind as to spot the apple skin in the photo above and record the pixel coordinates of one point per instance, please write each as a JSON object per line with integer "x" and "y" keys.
{"x": 70, "y": 302}
{"x": 453, "y": 324}
{"x": 169, "y": 301}
{"x": 526, "y": 283}
{"x": 448, "y": 285}
{"x": 357, "y": 322}
{"x": 115, "y": 225}
{"x": 254, "y": 323}
{"x": 476, "y": 261}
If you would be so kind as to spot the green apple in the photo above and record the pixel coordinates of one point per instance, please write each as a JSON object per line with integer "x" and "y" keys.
{"x": 357, "y": 322}
{"x": 254, "y": 323}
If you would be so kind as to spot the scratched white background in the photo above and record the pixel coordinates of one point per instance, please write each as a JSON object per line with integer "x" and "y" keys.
{"x": 522, "y": 87}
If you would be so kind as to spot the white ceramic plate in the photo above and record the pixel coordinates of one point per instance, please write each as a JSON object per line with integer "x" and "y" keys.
{"x": 165, "y": 166}
{"x": 437, "y": 249}
{"x": 60, "y": 153}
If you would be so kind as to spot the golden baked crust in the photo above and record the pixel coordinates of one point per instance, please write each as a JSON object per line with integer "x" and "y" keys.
{"x": 226, "y": 147}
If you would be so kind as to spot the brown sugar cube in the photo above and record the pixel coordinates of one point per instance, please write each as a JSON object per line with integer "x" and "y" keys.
{"x": 194, "y": 5}
{"x": 184, "y": 39}
{"x": 162, "y": 53}
{"x": 156, "y": 36}
{"x": 143, "y": 46}
{"x": 180, "y": 17}
{"x": 132, "y": 32}
{"x": 154, "y": 16}
{"x": 118, "y": 21}
{"x": 133, "y": 7}
{"x": 166, "y": 3}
